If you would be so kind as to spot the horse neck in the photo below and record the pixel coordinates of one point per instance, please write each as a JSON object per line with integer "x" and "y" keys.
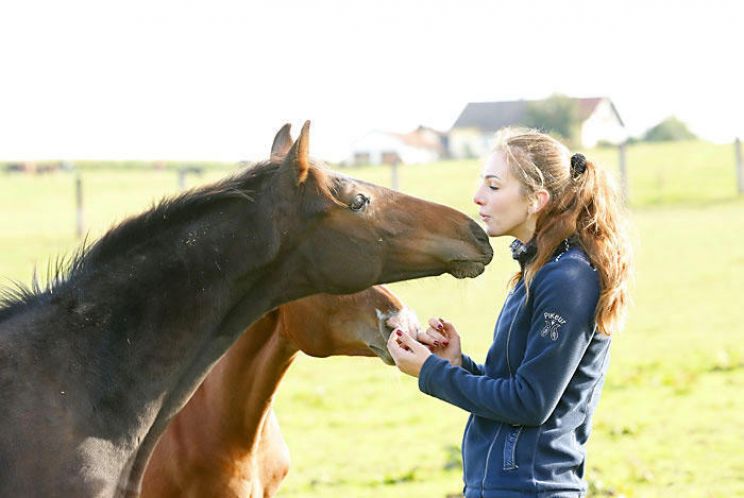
{"x": 241, "y": 387}
{"x": 183, "y": 309}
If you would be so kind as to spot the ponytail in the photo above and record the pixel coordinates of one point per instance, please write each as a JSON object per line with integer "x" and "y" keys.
{"x": 586, "y": 204}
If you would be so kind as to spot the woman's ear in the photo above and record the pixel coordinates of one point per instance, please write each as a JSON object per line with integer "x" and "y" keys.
{"x": 539, "y": 201}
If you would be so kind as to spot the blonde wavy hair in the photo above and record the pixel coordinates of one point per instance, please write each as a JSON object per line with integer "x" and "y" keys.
{"x": 587, "y": 205}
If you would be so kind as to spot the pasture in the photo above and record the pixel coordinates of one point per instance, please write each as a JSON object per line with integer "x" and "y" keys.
{"x": 670, "y": 422}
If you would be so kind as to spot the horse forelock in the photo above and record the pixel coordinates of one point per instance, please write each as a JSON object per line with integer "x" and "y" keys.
{"x": 326, "y": 185}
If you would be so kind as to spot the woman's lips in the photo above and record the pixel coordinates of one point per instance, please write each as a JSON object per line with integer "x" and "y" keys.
{"x": 484, "y": 217}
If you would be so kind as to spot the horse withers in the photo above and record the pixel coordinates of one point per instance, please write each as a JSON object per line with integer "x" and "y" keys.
{"x": 93, "y": 366}
{"x": 226, "y": 442}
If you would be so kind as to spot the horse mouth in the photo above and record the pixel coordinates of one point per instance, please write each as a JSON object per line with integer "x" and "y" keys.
{"x": 466, "y": 268}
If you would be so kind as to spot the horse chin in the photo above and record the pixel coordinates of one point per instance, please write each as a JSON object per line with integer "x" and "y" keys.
{"x": 466, "y": 269}
{"x": 382, "y": 353}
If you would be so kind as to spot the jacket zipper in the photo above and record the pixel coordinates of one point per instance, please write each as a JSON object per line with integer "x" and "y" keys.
{"x": 488, "y": 457}
{"x": 490, "y": 448}
{"x": 508, "y": 334}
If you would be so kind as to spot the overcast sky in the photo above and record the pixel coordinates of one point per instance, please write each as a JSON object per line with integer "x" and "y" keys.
{"x": 153, "y": 79}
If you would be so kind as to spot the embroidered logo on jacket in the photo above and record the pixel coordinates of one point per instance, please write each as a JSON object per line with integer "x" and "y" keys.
{"x": 553, "y": 322}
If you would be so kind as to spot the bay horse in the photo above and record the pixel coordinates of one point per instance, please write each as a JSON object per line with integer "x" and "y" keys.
{"x": 226, "y": 442}
{"x": 94, "y": 365}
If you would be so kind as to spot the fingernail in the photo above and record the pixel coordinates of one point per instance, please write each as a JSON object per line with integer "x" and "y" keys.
{"x": 398, "y": 332}
{"x": 436, "y": 343}
{"x": 446, "y": 343}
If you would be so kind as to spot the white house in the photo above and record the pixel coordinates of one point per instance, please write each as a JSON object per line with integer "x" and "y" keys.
{"x": 473, "y": 130}
{"x": 423, "y": 145}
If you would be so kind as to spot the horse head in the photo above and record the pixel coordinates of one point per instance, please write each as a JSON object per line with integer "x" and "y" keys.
{"x": 346, "y": 235}
{"x": 353, "y": 325}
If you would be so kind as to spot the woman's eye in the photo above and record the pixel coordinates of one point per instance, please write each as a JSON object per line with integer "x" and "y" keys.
{"x": 493, "y": 187}
{"x": 359, "y": 202}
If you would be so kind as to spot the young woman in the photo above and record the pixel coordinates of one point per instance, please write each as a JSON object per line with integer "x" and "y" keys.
{"x": 531, "y": 402}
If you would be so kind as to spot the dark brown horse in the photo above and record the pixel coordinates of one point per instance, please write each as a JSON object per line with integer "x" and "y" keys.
{"x": 94, "y": 366}
{"x": 226, "y": 442}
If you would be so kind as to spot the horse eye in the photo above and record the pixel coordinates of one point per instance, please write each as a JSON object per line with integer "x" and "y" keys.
{"x": 359, "y": 202}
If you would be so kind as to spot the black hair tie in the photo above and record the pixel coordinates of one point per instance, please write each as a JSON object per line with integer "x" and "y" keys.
{"x": 578, "y": 165}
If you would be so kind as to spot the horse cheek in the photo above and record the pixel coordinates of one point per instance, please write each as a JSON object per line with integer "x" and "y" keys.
{"x": 344, "y": 268}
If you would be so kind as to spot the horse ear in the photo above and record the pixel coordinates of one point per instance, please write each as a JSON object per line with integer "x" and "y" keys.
{"x": 297, "y": 158}
{"x": 282, "y": 142}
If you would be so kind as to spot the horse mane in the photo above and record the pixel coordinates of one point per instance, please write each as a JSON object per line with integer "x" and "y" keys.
{"x": 169, "y": 210}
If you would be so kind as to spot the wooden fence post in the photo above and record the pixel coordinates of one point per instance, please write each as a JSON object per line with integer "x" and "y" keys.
{"x": 394, "y": 183}
{"x": 624, "y": 173}
{"x": 80, "y": 223}
{"x": 739, "y": 167}
{"x": 185, "y": 170}
{"x": 181, "y": 179}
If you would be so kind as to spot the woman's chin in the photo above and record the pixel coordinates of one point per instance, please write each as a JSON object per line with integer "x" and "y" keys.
{"x": 493, "y": 231}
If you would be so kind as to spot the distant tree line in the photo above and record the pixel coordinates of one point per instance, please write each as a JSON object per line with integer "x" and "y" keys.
{"x": 669, "y": 130}
{"x": 559, "y": 116}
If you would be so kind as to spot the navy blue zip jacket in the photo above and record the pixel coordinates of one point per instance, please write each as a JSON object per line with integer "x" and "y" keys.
{"x": 532, "y": 401}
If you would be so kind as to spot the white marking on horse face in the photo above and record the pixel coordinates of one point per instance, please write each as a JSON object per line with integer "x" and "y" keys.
{"x": 406, "y": 320}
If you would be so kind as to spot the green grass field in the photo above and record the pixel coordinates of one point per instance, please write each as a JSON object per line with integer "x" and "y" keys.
{"x": 671, "y": 420}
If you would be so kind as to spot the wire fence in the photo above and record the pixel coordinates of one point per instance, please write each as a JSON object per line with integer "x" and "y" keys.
{"x": 695, "y": 172}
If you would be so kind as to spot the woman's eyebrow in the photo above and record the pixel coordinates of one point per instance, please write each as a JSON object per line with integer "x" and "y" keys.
{"x": 488, "y": 177}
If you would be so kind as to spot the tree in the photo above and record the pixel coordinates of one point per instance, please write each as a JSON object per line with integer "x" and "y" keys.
{"x": 557, "y": 114}
{"x": 669, "y": 130}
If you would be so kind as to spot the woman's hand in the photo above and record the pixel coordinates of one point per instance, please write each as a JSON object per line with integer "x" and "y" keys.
{"x": 409, "y": 355}
{"x": 443, "y": 340}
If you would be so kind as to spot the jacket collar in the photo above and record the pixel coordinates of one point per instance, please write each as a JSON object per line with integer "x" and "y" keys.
{"x": 524, "y": 253}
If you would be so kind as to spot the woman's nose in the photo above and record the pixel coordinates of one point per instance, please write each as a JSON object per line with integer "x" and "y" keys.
{"x": 478, "y": 198}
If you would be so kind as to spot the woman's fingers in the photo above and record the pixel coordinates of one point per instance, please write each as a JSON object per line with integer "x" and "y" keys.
{"x": 395, "y": 348}
{"x": 431, "y": 337}
{"x": 401, "y": 341}
{"x": 408, "y": 354}
{"x": 425, "y": 338}
{"x": 448, "y": 329}
{"x": 437, "y": 332}
{"x": 407, "y": 341}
